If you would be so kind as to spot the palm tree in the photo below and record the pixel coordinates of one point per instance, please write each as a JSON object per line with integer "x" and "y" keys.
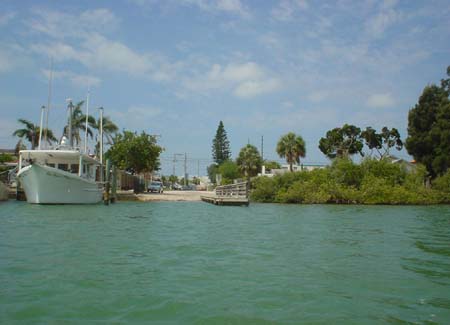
{"x": 249, "y": 161}
{"x": 291, "y": 147}
{"x": 79, "y": 123}
{"x": 109, "y": 128}
{"x": 31, "y": 133}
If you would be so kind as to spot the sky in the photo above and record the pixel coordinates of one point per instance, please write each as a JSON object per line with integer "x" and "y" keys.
{"x": 176, "y": 68}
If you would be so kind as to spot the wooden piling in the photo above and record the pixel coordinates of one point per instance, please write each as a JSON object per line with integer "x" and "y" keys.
{"x": 107, "y": 182}
{"x": 114, "y": 184}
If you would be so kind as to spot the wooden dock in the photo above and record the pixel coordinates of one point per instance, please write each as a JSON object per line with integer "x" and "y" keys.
{"x": 233, "y": 194}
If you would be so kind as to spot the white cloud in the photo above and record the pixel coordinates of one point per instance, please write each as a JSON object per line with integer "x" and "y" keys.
{"x": 79, "y": 80}
{"x": 286, "y": 9}
{"x": 380, "y": 100}
{"x": 386, "y": 17}
{"x": 242, "y": 79}
{"x": 254, "y": 88}
{"x": 6, "y": 18}
{"x": 61, "y": 25}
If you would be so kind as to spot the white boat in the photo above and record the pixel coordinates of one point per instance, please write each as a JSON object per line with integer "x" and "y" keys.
{"x": 60, "y": 176}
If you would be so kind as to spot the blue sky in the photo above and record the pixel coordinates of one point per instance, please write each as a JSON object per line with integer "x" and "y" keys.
{"x": 264, "y": 68}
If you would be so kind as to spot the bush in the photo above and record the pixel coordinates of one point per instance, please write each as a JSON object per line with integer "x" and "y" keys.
{"x": 372, "y": 182}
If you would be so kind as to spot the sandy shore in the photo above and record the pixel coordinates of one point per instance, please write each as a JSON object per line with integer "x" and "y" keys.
{"x": 173, "y": 196}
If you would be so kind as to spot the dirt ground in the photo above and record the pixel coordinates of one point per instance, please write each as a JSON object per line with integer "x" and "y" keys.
{"x": 173, "y": 196}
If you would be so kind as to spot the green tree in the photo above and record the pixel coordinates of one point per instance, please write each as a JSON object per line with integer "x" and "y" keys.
{"x": 342, "y": 142}
{"x": 291, "y": 147}
{"x": 79, "y": 123}
{"x": 249, "y": 161}
{"x": 229, "y": 171}
{"x": 109, "y": 128}
{"x": 135, "y": 153}
{"x": 221, "y": 146}
{"x": 30, "y": 132}
{"x": 382, "y": 142}
{"x": 212, "y": 171}
{"x": 270, "y": 164}
{"x": 429, "y": 130}
{"x": 19, "y": 146}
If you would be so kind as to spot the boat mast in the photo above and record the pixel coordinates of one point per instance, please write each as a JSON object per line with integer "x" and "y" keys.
{"x": 70, "y": 123}
{"x": 101, "y": 135}
{"x": 49, "y": 99}
{"x": 86, "y": 124}
{"x": 40, "y": 126}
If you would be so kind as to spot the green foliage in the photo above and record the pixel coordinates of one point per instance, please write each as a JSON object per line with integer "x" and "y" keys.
{"x": 221, "y": 146}
{"x": 212, "y": 171}
{"x": 429, "y": 129}
{"x": 173, "y": 179}
{"x": 229, "y": 171}
{"x": 271, "y": 165}
{"x": 382, "y": 142}
{"x": 249, "y": 161}
{"x": 31, "y": 131}
{"x": 292, "y": 147}
{"x": 371, "y": 182}
{"x": 342, "y": 142}
{"x": 5, "y": 157}
{"x": 135, "y": 153}
{"x": 442, "y": 183}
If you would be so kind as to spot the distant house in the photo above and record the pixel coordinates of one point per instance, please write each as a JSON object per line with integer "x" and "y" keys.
{"x": 285, "y": 169}
{"x": 408, "y": 165}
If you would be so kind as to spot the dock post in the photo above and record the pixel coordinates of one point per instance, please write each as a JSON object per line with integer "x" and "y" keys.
{"x": 114, "y": 184}
{"x": 107, "y": 182}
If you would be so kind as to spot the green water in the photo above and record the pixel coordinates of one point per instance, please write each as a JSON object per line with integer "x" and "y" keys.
{"x": 195, "y": 263}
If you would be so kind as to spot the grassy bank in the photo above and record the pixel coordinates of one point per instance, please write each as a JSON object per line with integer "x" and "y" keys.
{"x": 371, "y": 182}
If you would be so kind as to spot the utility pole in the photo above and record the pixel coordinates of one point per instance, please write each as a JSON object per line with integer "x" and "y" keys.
{"x": 262, "y": 148}
{"x": 198, "y": 168}
{"x": 185, "y": 169}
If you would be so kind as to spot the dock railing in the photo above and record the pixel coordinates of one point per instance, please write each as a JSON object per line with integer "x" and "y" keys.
{"x": 233, "y": 194}
{"x": 233, "y": 190}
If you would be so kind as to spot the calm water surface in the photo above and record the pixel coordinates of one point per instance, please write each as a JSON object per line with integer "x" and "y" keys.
{"x": 195, "y": 263}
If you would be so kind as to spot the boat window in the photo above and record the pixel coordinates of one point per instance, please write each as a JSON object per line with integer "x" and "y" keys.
{"x": 64, "y": 167}
{"x": 51, "y": 165}
{"x": 74, "y": 168}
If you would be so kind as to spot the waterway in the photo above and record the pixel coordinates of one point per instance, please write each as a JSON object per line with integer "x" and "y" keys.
{"x": 195, "y": 263}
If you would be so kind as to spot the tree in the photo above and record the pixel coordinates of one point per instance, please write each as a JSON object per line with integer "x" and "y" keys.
{"x": 249, "y": 161}
{"x": 79, "y": 123}
{"x": 135, "y": 153}
{"x": 109, "y": 128}
{"x": 291, "y": 147}
{"x": 221, "y": 146}
{"x": 382, "y": 142}
{"x": 270, "y": 164}
{"x": 31, "y": 133}
{"x": 19, "y": 146}
{"x": 212, "y": 171}
{"x": 229, "y": 171}
{"x": 429, "y": 130}
{"x": 342, "y": 142}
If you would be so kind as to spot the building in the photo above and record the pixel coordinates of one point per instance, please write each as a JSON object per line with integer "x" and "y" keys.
{"x": 285, "y": 168}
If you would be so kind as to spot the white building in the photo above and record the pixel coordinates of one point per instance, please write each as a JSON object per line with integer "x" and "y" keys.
{"x": 285, "y": 168}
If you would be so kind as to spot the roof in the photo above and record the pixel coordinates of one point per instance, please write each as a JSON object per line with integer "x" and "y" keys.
{"x": 58, "y": 156}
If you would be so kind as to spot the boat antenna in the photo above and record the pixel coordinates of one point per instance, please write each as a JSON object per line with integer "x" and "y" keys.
{"x": 87, "y": 120}
{"x": 40, "y": 126}
{"x": 49, "y": 100}
{"x": 101, "y": 135}
{"x": 70, "y": 106}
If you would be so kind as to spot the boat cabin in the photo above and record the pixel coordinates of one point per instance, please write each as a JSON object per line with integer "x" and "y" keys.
{"x": 66, "y": 160}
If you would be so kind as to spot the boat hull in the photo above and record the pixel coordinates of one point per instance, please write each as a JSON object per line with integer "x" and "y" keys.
{"x": 47, "y": 185}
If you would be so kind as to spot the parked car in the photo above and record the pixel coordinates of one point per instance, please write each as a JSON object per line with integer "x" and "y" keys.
{"x": 177, "y": 187}
{"x": 155, "y": 186}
